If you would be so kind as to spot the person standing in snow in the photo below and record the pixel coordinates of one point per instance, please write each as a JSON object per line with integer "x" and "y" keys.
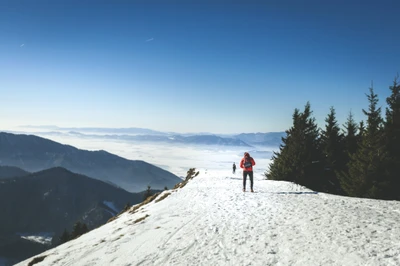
{"x": 247, "y": 164}
{"x": 234, "y": 167}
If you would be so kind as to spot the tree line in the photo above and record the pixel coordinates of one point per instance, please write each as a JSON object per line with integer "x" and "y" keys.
{"x": 78, "y": 229}
{"x": 361, "y": 159}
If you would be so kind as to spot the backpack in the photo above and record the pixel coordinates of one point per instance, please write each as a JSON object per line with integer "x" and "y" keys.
{"x": 247, "y": 162}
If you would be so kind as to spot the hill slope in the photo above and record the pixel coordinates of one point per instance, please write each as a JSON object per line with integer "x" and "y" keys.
{"x": 33, "y": 153}
{"x": 41, "y": 205}
{"x": 54, "y": 199}
{"x": 211, "y": 222}
{"x": 11, "y": 171}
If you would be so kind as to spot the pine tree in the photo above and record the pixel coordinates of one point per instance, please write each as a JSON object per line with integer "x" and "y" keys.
{"x": 361, "y": 133}
{"x": 393, "y": 101}
{"x": 65, "y": 237}
{"x": 78, "y": 229}
{"x": 309, "y": 156}
{"x": 147, "y": 193}
{"x": 127, "y": 206}
{"x": 350, "y": 137}
{"x": 84, "y": 229}
{"x": 352, "y": 140}
{"x": 298, "y": 159}
{"x": 392, "y": 141}
{"x": 280, "y": 168}
{"x": 366, "y": 167}
{"x": 332, "y": 150}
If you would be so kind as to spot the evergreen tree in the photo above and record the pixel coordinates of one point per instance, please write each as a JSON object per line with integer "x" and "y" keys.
{"x": 78, "y": 229}
{"x": 299, "y": 157}
{"x": 361, "y": 131}
{"x": 332, "y": 150}
{"x": 127, "y": 206}
{"x": 84, "y": 229}
{"x": 352, "y": 141}
{"x": 280, "y": 168}
{"x": 147, "y": 193}
{"x": 393, "y": 101}
{"x": 65, "y": 237}
{"x": 366, "y": 166}
{"x": 350, "y": 136}
{"x": 392, "y": 141}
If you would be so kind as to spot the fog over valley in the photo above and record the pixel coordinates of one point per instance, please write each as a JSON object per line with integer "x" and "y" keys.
{"x": 175, "y": 158}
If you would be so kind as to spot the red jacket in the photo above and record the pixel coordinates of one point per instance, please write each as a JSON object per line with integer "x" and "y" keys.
{"x": 248, "y": 168}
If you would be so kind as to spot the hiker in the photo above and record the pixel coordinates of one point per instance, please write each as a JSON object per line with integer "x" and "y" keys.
{"x": 234, "y": 167}
{"x": 247, "y": 164}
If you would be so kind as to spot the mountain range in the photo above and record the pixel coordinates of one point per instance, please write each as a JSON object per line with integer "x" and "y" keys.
{"x": 272, "y": 139}
{"x": 11, "y": 171}
{"x": 45, "y": 186}
{"x": 43, "y": 204}
{"x": 32, "y": 153}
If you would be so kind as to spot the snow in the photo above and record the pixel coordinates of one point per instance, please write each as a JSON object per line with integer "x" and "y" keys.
{"x": 211, "y": 221}
{"x": 46, "y": 194}
{"x": 111, "y": 205}
{"x": 41, "y": 238}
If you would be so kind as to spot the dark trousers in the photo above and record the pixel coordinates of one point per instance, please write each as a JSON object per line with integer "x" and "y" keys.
{"x": 250, "y": 173}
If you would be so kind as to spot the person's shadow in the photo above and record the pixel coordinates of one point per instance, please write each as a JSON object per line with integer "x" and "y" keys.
{"x": 236, "y": 178}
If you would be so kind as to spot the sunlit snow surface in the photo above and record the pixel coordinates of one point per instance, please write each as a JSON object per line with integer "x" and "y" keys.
{"x": 41, "y": 238}
{"x": 212, "y": 222}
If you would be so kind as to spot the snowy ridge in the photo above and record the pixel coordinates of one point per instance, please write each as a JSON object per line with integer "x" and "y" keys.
{"x": 211, "y": 221}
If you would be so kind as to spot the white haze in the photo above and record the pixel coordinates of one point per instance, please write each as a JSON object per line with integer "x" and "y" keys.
{"x": 176, "y": 159}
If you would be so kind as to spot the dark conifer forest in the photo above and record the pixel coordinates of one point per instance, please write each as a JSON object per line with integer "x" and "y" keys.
{"x": 358, "y": 159}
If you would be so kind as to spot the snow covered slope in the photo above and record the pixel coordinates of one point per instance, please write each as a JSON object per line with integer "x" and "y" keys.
{"x": 211, "y": 221}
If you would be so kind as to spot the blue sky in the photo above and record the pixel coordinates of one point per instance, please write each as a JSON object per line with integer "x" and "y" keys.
{"x": 190, "y": 66}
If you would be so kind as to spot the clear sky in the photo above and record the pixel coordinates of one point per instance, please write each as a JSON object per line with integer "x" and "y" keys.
{"x": 190, "y": 66}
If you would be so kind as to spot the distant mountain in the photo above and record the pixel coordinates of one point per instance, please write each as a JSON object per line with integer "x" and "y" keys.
{"x": 207, "y": 139}
{"x": 212, "y": 140}
{"x": 266, "y": 139}
{"x": 142, "y": 134}
{"x": 51, "y": 201}
{"x": 195, "y": 140}
{"x": 101, "y": 130}
{"x": 11, "y": 171}
{"x": 33, "y": 153}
